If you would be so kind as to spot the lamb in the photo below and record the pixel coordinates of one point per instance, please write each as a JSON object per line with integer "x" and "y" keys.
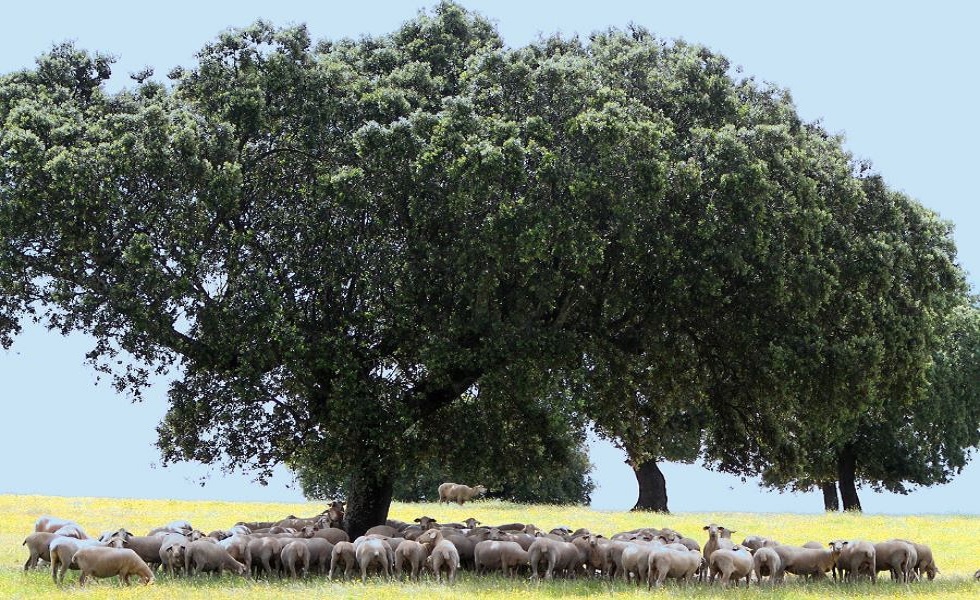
{"x": 412, "y": 554}
{"x": 100, "y": 562}
{"x": 442, "y": 553}
{"x": 897, "y": 556}
{"x": 732, "y": 564}
{"x": 37, "y": 544}
{"x": 295, "y": 556}
{"x": 765, "y": 563}
{"x": 373, "y": 552}
{"x": 458, "y": 493}
{"x": 676, "y": 564}
{"x": 343, "y": 551}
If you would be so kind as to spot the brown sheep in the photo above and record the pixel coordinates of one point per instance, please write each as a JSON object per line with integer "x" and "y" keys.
{"x": 372, "y": 551}
{"x": 732, "y": 564}
{"x": 37, "y": 544}
{"x": 492, "y": 555}
{"x": 442, "y": 554}
{"x": 925, "y": 563}
{"x": 898, "y": 557}
{"x": 343, "y": 552}
{"x": 413, "y": 555}
{"x": 459, "y": 493}
{"x": 295, "y": 558}
{"x": 765, "y": 563}
{"x": 856, "y": 559}
{"x": 48, "y": 524}
{"x": 206, "y": 556}
{"x": 63, "y": 550}
{"x": 676, "y": 564}
{"x": 102, "y": 562}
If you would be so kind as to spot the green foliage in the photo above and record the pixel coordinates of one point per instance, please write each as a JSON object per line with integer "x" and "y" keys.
{"x": 338, "y": 246}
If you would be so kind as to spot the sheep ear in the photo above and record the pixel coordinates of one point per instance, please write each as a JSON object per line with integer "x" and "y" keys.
{"x": 418, "y": 520}
{"x": 706, "y": 527}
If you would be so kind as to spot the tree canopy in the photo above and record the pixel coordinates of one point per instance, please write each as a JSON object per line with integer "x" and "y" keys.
{"x": 336, "y": 244}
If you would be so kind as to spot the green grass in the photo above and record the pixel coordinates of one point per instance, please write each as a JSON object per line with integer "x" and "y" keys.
{"x": 952, "y": 537}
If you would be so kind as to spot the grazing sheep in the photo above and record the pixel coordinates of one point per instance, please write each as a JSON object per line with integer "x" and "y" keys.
{"x": 732, "y": 564}
{"x": 635, "y": 560}
{"x": 63, "y": 549}
{"x": 385, "y": 530}
{"x": 493, "y": 555}
{"x": 765, "y": 563}
{"x": 805, "y": 561}
{"x": 37, "y": 544}
{"x": 48, "y": 524}
{"x": 100, "y": 562}
{"x": 856, "y": 559}
{"x": 320, "y": 553}
{"x": 924, "y": 563}
{"x": 208, "y": 557}
{"x": 263, "y": 552}
{"x": 330, "y": 534}
{"x": 676, "y": 564}
{"x": 343, "y": 552}
{"x": 413, "y": 554}
{"x": 371, "y": 552}
{"x": 898, "y": 557}
{"x": 459, "y": 493}
{"x": 147, "y": 547}
{"x": 295, "y": 556}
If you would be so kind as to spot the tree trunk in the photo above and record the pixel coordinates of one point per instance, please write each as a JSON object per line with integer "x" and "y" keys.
{"x": 653, "y": 487}
{"x": 368, "y": 501}
{"x": 831, "y": 503}
{"x": 846, "y": 464}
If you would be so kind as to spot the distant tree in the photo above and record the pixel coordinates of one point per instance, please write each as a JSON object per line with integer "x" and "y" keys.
{"x": 905, "y": 443}
{"x": 332, "y": 244}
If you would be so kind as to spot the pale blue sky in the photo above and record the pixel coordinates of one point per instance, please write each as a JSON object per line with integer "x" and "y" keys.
{"x": 899, "y": 79}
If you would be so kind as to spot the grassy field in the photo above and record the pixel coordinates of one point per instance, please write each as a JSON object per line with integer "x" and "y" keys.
{"x": 953, "y": 539}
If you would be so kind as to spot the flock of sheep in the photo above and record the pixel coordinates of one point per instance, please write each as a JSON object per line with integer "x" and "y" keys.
{"x": 298, "y": 547}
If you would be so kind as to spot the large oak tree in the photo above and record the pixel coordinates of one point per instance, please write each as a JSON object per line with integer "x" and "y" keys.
{"x": 331, "y": 245}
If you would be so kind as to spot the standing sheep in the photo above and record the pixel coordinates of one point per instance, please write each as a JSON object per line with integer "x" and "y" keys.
{"x": 732, "y": 564}
{"x": 343, "y": 552}
{"x": 413, "y": 555}
{"x": 459, "y": 493}
{"x": 765, "y": 563}
{"x": 373, "y": 552}
{"x": 442, "y": 553}
{"x": 100, "y": 562}
{"x": 37, "y": 544}
{"x": 295, "y": 556}
{"x": 209, "y": 557}
{"x": 676, "y": 564}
